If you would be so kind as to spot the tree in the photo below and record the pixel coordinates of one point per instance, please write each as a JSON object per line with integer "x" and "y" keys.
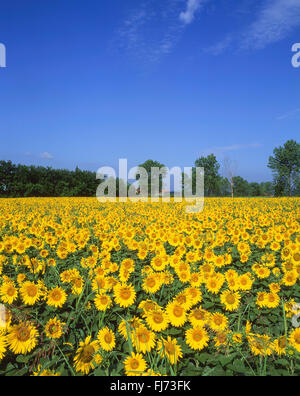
{"x": 255, "y": 190}
{"x": 285, "y": 165}
{"x": 148, "y": 165}
{"x": 242, "y": 188}
{"x": 212, "y": 178}
{"x": 230, "y": 170}
{"x": 267, "y": 189}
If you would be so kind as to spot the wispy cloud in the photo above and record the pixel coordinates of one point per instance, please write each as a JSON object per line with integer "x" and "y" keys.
{"x": 290, "y": 114}
{"x": 153, "y": 29}
{"x": 218, "y": 150}
{"x": 192, "y": 7}
{"x": 275, "y": 21}
{"x": 46, "y": 155}
{"x": 220, "y": 47}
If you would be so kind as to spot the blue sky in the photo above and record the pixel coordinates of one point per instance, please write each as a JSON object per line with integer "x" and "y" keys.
{"x": 89, "y": 82}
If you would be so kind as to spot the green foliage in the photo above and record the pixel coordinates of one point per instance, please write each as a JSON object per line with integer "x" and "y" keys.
{"x": 286, "y": 167}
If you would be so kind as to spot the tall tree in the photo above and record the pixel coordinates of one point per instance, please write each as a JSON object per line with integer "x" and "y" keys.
{"x": 285, "y": 165}
{"x": 148, "y": 165}
{"x": 212, "y": 178}
{"x": 230, "y": 168}
{"x": 242, "y": 188}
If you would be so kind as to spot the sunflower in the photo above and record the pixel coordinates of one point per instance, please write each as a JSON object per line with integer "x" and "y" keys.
{"x": 274, "y": 287}
{"x": 148, "y": 306}
{"x": 54, "y": 328}
{"x": 152, "y": 283}
{"x": 56, "y": 297}
{"x": 22, "y": 338}
{"x": 261, "y": 299}
{"x": 215, "y": 283}
{"x": 199, "y": 317}
{"x": 245, "y": 282}
{"x": 129, "y": 327}
{"x": 169, "y": 348}
{"x": 135, "y": 365}
{"x": 195, "y": 294}
{"x": 280, "y": 345}
{"x": 21, "y": 278}
{"x": 157, "y": 320}
{"x": 197, "y": 338}
{"x": 124, "y": 295}
{"x": 45, "y": 373}
{"x": 272, "y": 300}
{"x": 77, "y": 285}
{"x": 107, "y": 339}
{"x": 290, "y": 278}
{"x": 231, "y": 300}
{"x": 260, "y": 345}
{"x": 30, "y": 293}
{"x": 143, "y": 340}
{"x": 220, "y": 339}
{"x": 102, "y": 302}
{"x": 176, "y": 314}
{"x": 84, "y": 359}
{"x": 218, "y": 322}
{"x": 3, "y": 346}
{"x": 8, "y": 292}
{"x": 185, "y": 300}
{"x": 294, "y": 339}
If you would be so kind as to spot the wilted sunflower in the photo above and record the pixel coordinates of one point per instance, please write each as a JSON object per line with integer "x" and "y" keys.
{"x": 54, "y": 328}
{"x": 107, "y": 339}
{"x": 22, "y": 338}
{"x": 84, "y": 359}
{"x": 135, "y": 365}
{"x": 30, "y": 293}
{"x": 124, "y": 295}
{"x": 197, "y": 338}
{"x": 56, "y": 297}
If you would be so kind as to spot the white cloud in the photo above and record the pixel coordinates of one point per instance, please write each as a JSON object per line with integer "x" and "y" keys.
{"x": 275, "y": 21}
{"x": 235, "y": 147}
{"x": 289, "y": 114}
{"x": 46, "y": 155}
{"x": 221, "y": 46}
{"x": 149, "y": 33}
{"x": 192, "y": 7}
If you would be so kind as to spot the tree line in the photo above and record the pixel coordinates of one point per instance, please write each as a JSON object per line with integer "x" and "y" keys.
{"x": 37, "y": 181}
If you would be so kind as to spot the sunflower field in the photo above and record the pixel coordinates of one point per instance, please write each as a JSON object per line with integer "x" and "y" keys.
{"x": 145, "y": 289}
